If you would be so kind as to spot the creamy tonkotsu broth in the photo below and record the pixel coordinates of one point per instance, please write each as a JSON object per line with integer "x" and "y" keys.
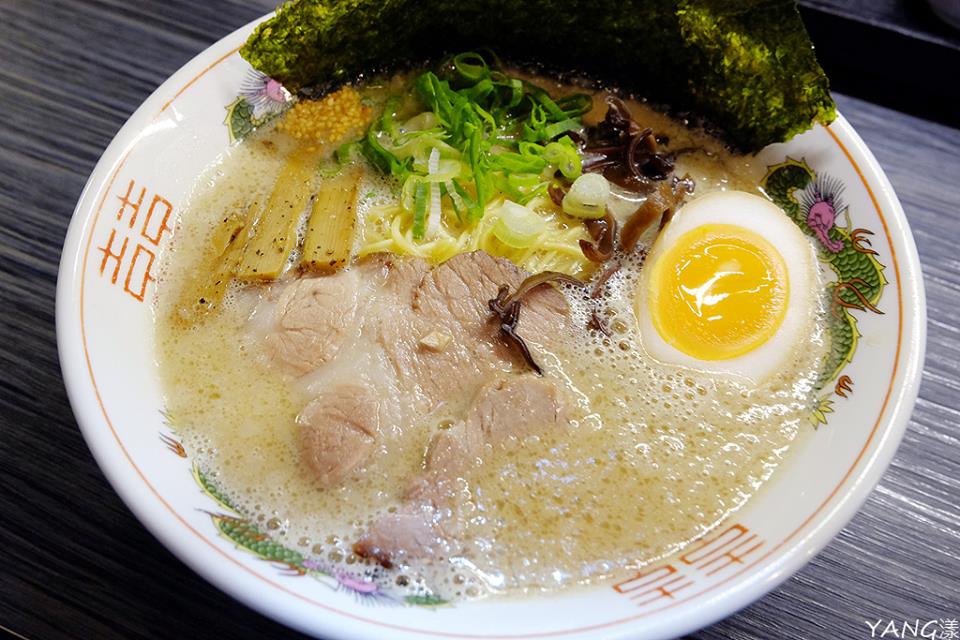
{"x": 652, "y": 455}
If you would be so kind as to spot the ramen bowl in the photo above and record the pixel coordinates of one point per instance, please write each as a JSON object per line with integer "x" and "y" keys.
{"x": 125, "y": 219}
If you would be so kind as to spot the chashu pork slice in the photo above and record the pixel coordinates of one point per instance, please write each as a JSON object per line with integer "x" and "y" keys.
{"x": 507, "y": 409}
{"x": 398, "y": 339}
{"x": 452, "y": 345}
{"x": 309, "y": 319}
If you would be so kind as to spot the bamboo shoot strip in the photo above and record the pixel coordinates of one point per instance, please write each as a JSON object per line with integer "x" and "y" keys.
{"x": 275, "y": 234}
{"x": 329, "y": 238}
{"x": 205, "y": 289}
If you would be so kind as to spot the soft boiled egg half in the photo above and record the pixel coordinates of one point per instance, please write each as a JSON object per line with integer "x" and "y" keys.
{"x": 730, "y": 286}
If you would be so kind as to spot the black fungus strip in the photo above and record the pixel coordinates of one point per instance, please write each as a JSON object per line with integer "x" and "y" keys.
{"x": 604, "y": 233}
{"x": 505, "y": 307}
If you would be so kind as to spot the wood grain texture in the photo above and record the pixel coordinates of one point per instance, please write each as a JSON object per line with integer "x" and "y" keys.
{"x": 897, "y": 53}
{"x": 914, "y": 18}
{"x": 75, "y": 562}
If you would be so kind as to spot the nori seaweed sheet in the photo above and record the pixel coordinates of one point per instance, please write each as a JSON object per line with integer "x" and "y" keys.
{"x": 745, "y": 67}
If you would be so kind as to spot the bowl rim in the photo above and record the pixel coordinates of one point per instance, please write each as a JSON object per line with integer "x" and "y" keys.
{"x": 773, "y": 569}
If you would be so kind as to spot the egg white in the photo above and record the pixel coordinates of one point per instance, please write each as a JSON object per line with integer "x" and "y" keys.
{"x": 767, "y": 220}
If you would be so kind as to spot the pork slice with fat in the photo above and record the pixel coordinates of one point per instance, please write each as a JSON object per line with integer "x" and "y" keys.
{"x": 384, "y": 343}
{"x": 347, "y": 421}
{"x": 310, "y": 320}
{"x": 398, "y": 276}
{"x": 339, "y": 429}
{"x": 509, "y": 408}
{"x": 503, "y": 410}
{"x": 455, "y": 344}
{"x": 459, "y": 290}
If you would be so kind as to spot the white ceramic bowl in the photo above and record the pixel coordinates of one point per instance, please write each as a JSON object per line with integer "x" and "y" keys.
{"x": 104, "y": 329}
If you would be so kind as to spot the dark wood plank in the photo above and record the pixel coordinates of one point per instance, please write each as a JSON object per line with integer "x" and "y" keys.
{"x": 893, "y": 52}
{"x": 76, "y": 564}
{"x": 916, "y": 19}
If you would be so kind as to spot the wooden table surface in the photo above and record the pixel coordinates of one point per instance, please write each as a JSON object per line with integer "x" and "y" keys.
{"x": 74, "y": 562}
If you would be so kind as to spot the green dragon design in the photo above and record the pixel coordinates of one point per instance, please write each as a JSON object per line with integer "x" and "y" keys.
{"x": 246, "y": 535}
{"x": 815, "y": 204}
{"x": 261, "y": 99}
{"x": 239, "y": 119}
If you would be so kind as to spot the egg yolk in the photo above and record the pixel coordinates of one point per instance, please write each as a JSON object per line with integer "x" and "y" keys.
{"x": 718, "y": 292}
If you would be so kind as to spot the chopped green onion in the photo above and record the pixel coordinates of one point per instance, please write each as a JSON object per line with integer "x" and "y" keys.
{"x": 446, "y": 170}
{"x": 388, "y": 122}
{"x": 433, "y": 215}
{"x": 345, "y": 152}
{"x": 587, "y": 197}
{"x": 479, "y": 127}
{"x": 523, "y": 187}
{"x": 471, "y": 66}
{"x": 419, "y": 210}
{"x": 555, "y": 129}
{"x": 575, "y": 104}
{"x": 518, "y": 163}
{"x": 565, "y": 155}
{"x": 473, "y": 208}
{"x": 379, "y": 157}
{"x": 421, "y": 122}
{"x": 549, "y": 105}
{"x": 446, "y": 189}
{"x": 518, "y": 226}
